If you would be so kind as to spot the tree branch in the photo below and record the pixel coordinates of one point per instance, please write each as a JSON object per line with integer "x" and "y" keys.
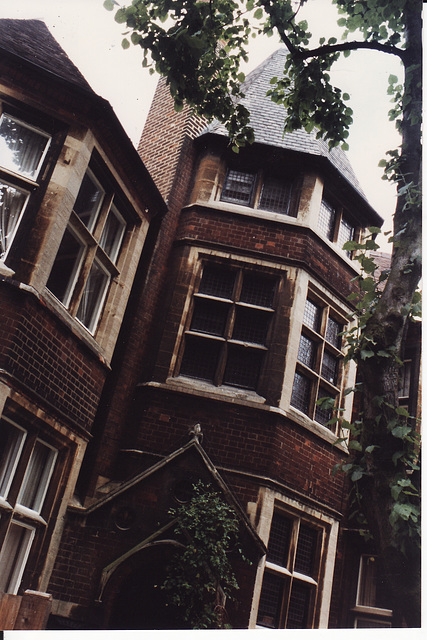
{"x": 345, "y": 46}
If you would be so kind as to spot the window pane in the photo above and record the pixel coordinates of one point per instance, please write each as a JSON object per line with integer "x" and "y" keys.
{"x": 270, "y": 600}
{"x": 323, "y": 415}
{"x": 301, "y": 393}
{"x": 37, "y": 476}
{"x": 11, "y": 441}
{"x": 92, "y": 297}
{"x": 307, "y": 351}
{"x": 12, "y": 203}
{"x": 21, "y": 147}
{"x": 326, "y": 221}
{"x": 14, "y": 556}
{"x": 243, "y": 367}
{"x": 306, "y": 547}
{"x": 65, "y": 267}
{"x": 210, "y": 316}
{"x": 298, "y": 606}
{"x": 112, "y": 235}
{"x": 312, "y": 315}
{"x": 88, "y": 201}
{"x": 200, "y": 358}
{"x": 329, "y": 367}
{"x": 278, "y": 542}
{"x": 251, "y": 325}
{"x": 405, "y": 379}
{"x": 238, "y": 187}
{"x": 217, "y": 281}
{"x": 333, "y": 329}
{"x": 258, "y": 290}
{"x": 275, "y": 195}
{"x": 345, "y": 233}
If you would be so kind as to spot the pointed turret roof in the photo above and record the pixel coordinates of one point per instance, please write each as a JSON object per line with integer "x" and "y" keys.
{"x": 267, "y": 119}
{"x": 32, "y": 41}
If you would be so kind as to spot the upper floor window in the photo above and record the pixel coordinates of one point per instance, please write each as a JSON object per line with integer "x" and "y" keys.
{"x": 335, "y": 225}
{"x": 23, "y": 149}
{"x": 26, "y": 467}
{"x": 87, "y": 256}
{"x": 319, "y": 361}
{"x": 268, "y": 193}
{"x": 292, "y": 573}
{"x": 227, "y": 338}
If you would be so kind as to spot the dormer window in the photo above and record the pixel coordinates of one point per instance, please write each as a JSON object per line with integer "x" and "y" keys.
{"x": 334, "y": 225}
{"x": 23, "y": 149}
{"x": 238, "y": 187}
{"x": 262, "y": 192}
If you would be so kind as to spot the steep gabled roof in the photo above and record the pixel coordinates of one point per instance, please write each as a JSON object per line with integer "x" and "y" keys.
{"x": 267, "y": 119}
{"x": 32, "y": 41}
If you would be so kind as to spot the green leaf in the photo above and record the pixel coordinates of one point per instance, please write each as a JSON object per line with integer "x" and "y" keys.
{"x": 109, "y": 5}
{"x": 366, "y": 353}
{"x": 125, "y": 43}
{"x": 401, "y": 431}
{"x": 258, "y": 14}
{"x": 356, "y": 475}
{"x": 353, "y": 444}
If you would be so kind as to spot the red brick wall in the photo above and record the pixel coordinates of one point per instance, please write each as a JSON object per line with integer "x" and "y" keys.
{"x": 271, "y": 240}
{"x": 44, "y": 358}
{"x": 243, "y": 438}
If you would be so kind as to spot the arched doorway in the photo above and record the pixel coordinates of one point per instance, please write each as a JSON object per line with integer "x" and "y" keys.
{"x": 137, "y": 600}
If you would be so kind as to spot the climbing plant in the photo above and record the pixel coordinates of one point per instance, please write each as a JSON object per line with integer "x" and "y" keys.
{"x": 200, "y": 577}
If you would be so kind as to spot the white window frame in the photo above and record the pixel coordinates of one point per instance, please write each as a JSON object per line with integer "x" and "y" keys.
{"x": 44, "y": 134}
{"x": 363, "y": 608}
{"x": 16, "y": 573}
{"x": 14, "y": 456}
{"x": 20, "y": 181}
{"x": 92, "y": 324}
{"x": 44, "y": 481}
{"x": 18, "y": 515}
{"x": 19, "y": 220}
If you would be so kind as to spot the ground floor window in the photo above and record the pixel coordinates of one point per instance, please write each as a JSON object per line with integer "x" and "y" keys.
{"x": 26, "y": 467}
{"x": 291, "y": 577}
{"x": 372, "y": 604}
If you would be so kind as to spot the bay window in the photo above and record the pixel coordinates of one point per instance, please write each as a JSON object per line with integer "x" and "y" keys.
{"x": 26, "y": 467}
{"x": 87, "y": 257}
{"x": 23, "y": 149}
{"x": 227, "y": 338}
{"x": 319, "y": 362}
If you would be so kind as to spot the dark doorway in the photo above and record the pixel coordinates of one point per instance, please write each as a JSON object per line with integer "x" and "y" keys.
{"x": 140, "y": 602}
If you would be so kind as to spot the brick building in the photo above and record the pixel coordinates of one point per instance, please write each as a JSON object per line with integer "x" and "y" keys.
{"x": 77, "y": 211}
{"x": 208, "y": 367}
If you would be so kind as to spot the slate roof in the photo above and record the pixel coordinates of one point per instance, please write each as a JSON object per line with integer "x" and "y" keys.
{"x": 32, "y": 41}
{"x": 267, "y": 120}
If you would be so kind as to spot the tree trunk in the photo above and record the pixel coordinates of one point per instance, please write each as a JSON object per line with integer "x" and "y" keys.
{"x": 387, "y": 328}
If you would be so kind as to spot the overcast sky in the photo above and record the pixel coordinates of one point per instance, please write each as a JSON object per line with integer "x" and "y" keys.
{"x": 91, "y": 38}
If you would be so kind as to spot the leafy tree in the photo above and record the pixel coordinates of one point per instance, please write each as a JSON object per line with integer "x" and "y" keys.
{"x": 198, "y": 47}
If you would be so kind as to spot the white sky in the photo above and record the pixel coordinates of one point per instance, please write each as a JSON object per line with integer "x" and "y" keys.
{"x": 92, "y": 39}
